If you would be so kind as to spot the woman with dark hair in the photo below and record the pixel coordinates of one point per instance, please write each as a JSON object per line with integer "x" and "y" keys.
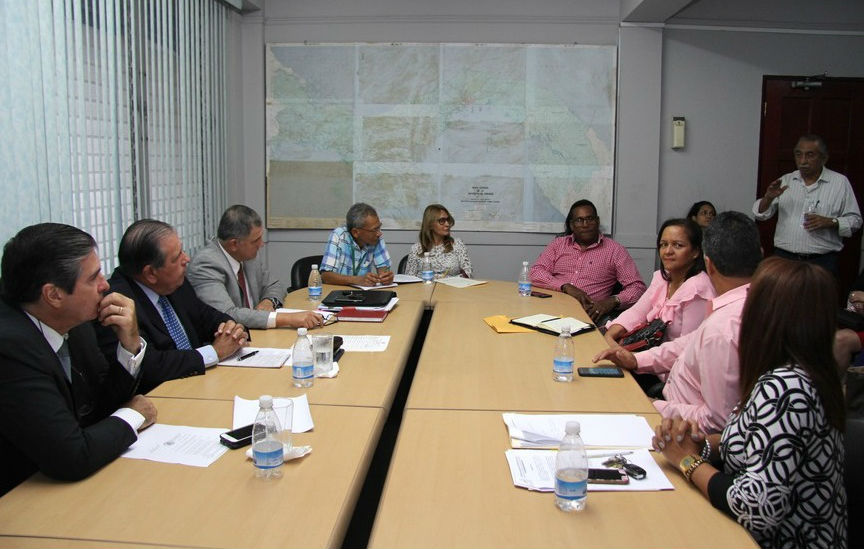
{"x": 449, "y": 255}
{"x": 679, "y": 291}
{"x": 702, "y": 213}
{"x": 780, "y": 459}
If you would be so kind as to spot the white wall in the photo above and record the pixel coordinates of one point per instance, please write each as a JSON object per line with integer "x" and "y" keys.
{"x": 714, "y": 79}
{"x": 711, "y": 77}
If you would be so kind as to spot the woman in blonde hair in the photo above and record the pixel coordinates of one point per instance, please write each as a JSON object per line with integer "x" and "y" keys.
{"x": 449, "y": 255}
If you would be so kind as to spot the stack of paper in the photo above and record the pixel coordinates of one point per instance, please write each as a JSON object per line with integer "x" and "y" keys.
{"x": 459, "y": 282}
{"x": 535, "y": 470}
{"x": 597, "y": 430}
{"x": 258, "y": 357}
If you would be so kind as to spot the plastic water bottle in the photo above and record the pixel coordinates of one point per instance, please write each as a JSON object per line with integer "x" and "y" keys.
{"x": 267, "y": 450}
{"x": 571, "y": 471}
{"x": 562, "y": 365}
{"x": 524, "y": 281}
{"x": 314, "y": 285}
{"x": 426, "y": 272}
{"x": 303, "y": 366}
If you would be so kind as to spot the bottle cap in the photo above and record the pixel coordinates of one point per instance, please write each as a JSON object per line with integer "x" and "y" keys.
{"x": 572, "y": 428}
{"x": 301, "y": 331}
{"x": 315, "y": 267}
{"x": 265, "y": 401}
{"x": 565, "y": 328}
{"x": 524, "y": 263}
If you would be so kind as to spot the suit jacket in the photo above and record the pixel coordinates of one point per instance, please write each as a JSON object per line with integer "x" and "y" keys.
{"x": 163, "y": 361}
{"x": 47, "y": 423}
{"x": 214, "y": 281}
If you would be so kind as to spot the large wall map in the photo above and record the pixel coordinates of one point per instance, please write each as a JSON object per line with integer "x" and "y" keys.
{"x": 505, "y": 136}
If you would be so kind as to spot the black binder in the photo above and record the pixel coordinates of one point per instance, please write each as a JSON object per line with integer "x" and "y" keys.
{"x": 358, "y": 298}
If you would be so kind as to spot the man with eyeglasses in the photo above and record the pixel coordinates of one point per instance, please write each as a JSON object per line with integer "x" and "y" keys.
{"x": 356, "y": 252}
{"x": 587, "y": 265}
{"x": 815, "y": 207}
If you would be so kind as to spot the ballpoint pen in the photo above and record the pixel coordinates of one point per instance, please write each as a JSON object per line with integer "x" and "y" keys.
{"x": 247, "y": 355}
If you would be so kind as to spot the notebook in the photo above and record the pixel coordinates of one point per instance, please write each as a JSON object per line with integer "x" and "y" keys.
{"x": 358, "y": 298}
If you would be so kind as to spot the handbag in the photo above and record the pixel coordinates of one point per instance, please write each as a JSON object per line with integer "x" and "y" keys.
{"x": 644, "y": 336}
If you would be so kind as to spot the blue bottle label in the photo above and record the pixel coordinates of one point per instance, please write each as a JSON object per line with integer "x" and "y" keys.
{"x": 267, "y": 454}
{"x": 427, "y": 275}
{"x": 314, "y": 291}
{"x": 524, "y": 287}
{"x": 560, "y": 366}
{"x": 570, "y": 489}
{"x": 303, "y": 371}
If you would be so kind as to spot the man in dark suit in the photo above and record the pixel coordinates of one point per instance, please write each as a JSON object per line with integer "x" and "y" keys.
{"x": 66, "y": 409}
{"x": 185, "y": 335}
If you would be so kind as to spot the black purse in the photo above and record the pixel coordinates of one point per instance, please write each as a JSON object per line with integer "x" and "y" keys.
{"x": 644, "y": 336}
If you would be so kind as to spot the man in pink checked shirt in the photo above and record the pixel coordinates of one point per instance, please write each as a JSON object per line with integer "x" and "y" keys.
{"x": 703, "y": 382}
{"x": 586, "y": 265}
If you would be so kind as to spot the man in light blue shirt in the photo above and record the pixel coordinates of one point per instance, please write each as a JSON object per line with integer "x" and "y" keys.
{"x": 356, "y": 253}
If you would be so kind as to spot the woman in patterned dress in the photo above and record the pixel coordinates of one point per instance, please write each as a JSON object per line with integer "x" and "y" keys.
{"x": 449, "y": 255}
{"x": 778, "y": 466}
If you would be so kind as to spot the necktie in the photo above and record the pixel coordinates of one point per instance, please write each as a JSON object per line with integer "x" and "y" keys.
{"x": 173, "y": 324}
{"x": 65, "y": 359}
{"x": 241, "y": 281}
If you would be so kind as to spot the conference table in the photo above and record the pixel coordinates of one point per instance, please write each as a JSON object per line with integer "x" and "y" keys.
{"x": 448, "y": 484}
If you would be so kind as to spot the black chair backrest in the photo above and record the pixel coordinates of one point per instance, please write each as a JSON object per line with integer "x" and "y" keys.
{"x": 402, "y": 263}
{"x": 301, "y": 269}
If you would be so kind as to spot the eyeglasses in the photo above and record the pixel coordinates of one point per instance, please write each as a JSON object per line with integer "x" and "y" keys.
{"x": 443, "y": 220}
{"x": 587, "y": 220}
{"x": 376, "y": 230}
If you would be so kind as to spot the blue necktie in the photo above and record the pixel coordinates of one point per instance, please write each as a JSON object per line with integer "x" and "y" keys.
{"x": 173, "y": 324}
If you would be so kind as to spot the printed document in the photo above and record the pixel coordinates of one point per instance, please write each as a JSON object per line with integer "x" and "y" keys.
{"x": 459, "y": 282}
{"x": 263, "y": 357}
{"x": 597, "y": 430}
{"x": 196, "y": 446}
{"x": 535, "y": 470}
{"x": 365, "y": 343}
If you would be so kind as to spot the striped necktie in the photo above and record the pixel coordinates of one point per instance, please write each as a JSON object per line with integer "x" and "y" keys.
{"x": 65, "y": 359}
{"x": 173, "y": 324}
{"x": 241, "y": 281}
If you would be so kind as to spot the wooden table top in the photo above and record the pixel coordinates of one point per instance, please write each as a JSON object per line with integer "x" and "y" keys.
{"x": 449, "y": 485}
{"x": 365, "y": 379}
{"x": 466, "y": 365}
{"x": 224, "y": 505}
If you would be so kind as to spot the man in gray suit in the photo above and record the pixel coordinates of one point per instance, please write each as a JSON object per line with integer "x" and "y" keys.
{"x": 228, "y": 275}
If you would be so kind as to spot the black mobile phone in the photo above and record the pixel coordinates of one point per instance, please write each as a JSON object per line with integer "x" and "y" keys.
{"x": 607, "y": 476}
{"x": 337, "y": 342}
{"x": 237, "y": 438}
{"x": 604, "y": 371}
{"x": 540, "y": 294}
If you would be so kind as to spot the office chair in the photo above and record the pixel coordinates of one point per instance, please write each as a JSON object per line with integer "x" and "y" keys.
{"x": 402, "y": 263}
{"x": 301, "y": 269}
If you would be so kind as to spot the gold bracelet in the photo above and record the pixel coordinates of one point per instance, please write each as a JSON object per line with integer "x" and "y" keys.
{"x": 693, "y": 466}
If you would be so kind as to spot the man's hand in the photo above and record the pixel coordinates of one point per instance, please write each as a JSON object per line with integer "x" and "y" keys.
{"x": 772, "y": 192}
{"x": 599, "y": 309}
{"x": 385, "y": 276}
{"x": 118, "y": 311}
{"x": 145, "y": 407}
{"x": 618, "y": 356}
{"x": 580, "y": 296}
{"x": 303, "y": 319}
{"x": 376, "y": 279}
{"x": 265, "y": 305}
{"x": 229, "y": 337}
{"x": 814, "y": 222}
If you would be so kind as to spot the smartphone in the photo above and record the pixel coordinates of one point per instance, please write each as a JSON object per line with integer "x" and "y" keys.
{"x": 237, "y": 438}
{"x": 540, "y": 294}
{"x": 604, "y": 371}
{"x": 607, "y": 476}
{"x": 337, "y": 342}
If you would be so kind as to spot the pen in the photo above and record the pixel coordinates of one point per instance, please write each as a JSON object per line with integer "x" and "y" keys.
{"x": 611, "y": 454}
{"x": 247, "y": 355}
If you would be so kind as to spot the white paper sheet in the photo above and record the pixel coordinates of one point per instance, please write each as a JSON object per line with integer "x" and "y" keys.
{"x": 196, "y": 446}
{"x": 329, "y": 317}
{"x": 375, "y": 287}
{"x": 406, "y": 279}
{"x": 246, "y": 410}
{"x": 264, "y": 357}
{"x": 459, "y": 282}
{"x": 365, "y": 343}
{"x": 535, "y": 470}
{"x": 597, "y": 430}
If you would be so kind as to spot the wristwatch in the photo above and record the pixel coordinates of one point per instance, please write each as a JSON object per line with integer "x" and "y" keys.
{"x": 835, "y": 222}
{"x": 276, "y": 303}
{"x": 617, "y": 301}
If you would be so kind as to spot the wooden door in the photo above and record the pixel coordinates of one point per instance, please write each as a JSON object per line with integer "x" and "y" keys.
{"x": 832, "y": 108}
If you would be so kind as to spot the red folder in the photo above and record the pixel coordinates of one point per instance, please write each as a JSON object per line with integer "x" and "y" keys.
{"x": 353, "y": 314}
